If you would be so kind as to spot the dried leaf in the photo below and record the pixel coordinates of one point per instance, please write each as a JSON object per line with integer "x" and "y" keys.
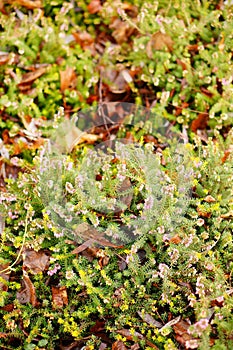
{"x": 28, "y": 78}
{"x": 204, "y": 214}
{"x": 89, "y": 233}
{"x": 181, "y": 332}
{"x": 117, "y": 81}
{"x": 206, "y": 92}
{"x": 94, "y": 6}
{"x": 29, "y": 4}
{"x": 98, "y": 326}
{"x": 228, "y": 215}
{"x": 129, "y": 336}
{"x": 119, "y": 345}
{"x": 209, "y": 199}
{"x": 86, "y": 41}
{"x": 150, "y": 320}
{"x": 4, "y": 58}
{"x": 159, "y": 41}
{"x": 27, "y": 294}
{"x": 122, "y": 30}
{"x": 200, "y": 122}
{"x": 175, "y": 239}
{"x": 35, "y": 261}
{"x": 59, "y": 297}
{"x": 5, "y": 276}
{"x": 68, "y": 79}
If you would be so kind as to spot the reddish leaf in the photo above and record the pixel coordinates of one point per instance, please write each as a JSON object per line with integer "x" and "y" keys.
{"x": 175, "y": 239}
{"x": 59, "y": 296}
{"x": 27, "y": 294}
{"x": 206, "y": 92}
{"x": 8, "y": 307}
{"x": 94, "y": 6}
{"x": 200, "y": 122}
{"x": 28, "y": 78}
{"x": 68, "y": 79}
{"x": 181, "y": 63}
{"x": 119, "y": 345}
{"x": 35, "y": 261}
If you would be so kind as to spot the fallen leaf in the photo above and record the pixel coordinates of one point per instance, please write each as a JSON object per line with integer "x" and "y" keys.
{"x": 181, "y": 332}
{"x": 122, "y": 30}
{"x": 29, "y": 78}
{"x": 159, "y": 41}
{"x": 129, "y": 336}
{"x": 117, "y": 80}
{"x": 4, "y": 58}
{"x": 228, "y": 215}
{"x": 203, "y": 213}
{"x": 209, "y": 199}
{"x": 94, "y": 6}
{"x": 200, "y": 122}
{"x": 27, "y": 294}
{"x": 119, "y": 345}
{"x": 135, "y": 347}
{"x": 5, "y": 276}
{"x": 206, "y": 92}
{"x": 85, "y": 40}
{"x": 35, "y": 261}
{"x": 90, "y": 234}
{"x": 175, "y": 239}
{"x": 68, "y": 79}
{"x": 29, "y": 4}
{"x": 59, "y": 297}
{"x": 149, "y": 319}
{"x": 98, "y": 326}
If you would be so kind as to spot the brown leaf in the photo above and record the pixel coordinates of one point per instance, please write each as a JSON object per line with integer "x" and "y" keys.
{"x": 59, "y": 297}
{"x": 98, "y": 326}
{"x": 175, "y": 239}
{"x": 200, "y": 122}
{"x": 228, "y": 215}
{"x": 209, "y": 199}
{"x": 181, "y": 332}
{"x": 150, "y": 320}
{"x": 203, "y": 213}
{"x": 159, "y": 41}
{"x": 92, "y": 235}
{"x": 119, "y": 345}
{"x": 5, "y": 276}
{"x": 68, "y": 79}
{"x": 122, "y": 30}
{"x": 27, "y": 294}
{"x": 129, "y": 336}
{"x": 4, "y": 58}
{"x": 94, "y": 6}
{"x": 206, "y": 92}
{"x": 29, "y": 78}
{"x": 86, "y": 41}
{"x": 35, "y": 261}
{"x": 116, "y": 80}
{"x": 29, "y": 4}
